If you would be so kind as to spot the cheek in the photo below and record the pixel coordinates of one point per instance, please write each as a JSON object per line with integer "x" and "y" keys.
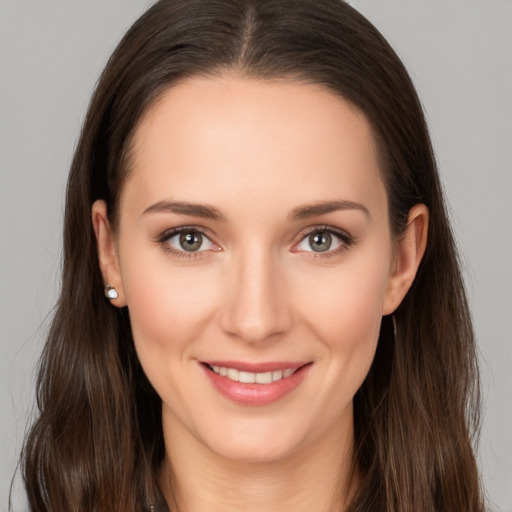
{"x": 344, "y": 310}
{"x": 168, "y": 307}
{"x": 347, "y": 301}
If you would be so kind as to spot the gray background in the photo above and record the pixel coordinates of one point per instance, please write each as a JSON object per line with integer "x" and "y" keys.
{"x": 459, "y": 55}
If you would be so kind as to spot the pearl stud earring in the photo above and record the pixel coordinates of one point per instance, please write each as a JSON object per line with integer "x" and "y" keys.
{"x": 110, "y": 292}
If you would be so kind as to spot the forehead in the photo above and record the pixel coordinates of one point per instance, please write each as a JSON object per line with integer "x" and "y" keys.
{"x": 215, "y": 137}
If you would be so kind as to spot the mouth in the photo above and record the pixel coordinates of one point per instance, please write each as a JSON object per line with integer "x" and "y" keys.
{"x": 255, "y": 384}
{"x": 252, "y": 377}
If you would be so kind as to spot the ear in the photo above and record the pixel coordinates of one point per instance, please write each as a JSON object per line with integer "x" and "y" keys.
{"x": 107, "y": 252}
{"x": 410, "y": 249}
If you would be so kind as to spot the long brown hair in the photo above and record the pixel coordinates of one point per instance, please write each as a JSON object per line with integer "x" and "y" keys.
{"x": 97, "y": 443}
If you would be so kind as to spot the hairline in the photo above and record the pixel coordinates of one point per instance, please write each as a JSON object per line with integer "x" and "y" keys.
{"x": 124, "y": 166}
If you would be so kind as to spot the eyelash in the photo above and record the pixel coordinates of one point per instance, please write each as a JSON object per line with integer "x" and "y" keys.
{"x": 185, "y": 255}
{"x": 347, "y": 241}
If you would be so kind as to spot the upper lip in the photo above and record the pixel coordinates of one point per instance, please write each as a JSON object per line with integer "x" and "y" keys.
{"x": 269, "y": 366}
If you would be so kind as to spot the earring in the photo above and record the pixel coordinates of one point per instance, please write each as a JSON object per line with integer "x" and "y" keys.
{"x": 110, "y": 292}
{"x": 395, "y": 329}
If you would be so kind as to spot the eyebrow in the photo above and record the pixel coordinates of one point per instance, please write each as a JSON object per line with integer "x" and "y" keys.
{"x": 323, "y": 207}
{"x": 210, "y": 212}
{"x": 182, "y": 208}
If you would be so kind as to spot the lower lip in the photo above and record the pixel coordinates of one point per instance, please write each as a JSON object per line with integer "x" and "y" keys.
{"x": 256, "y": 394}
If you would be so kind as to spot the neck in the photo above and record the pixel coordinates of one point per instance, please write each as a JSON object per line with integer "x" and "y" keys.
{"x": 314, "y": 477}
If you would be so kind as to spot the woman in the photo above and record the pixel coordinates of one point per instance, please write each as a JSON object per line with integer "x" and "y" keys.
{"x": 266, "y": 309}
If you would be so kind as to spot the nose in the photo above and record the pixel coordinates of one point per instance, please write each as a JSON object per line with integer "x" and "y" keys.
{"x": 256, "y": 306}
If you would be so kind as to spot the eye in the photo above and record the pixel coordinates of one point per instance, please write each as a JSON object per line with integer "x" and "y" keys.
{"x": 324, "y": 240}
{"x": 187, "y": 240}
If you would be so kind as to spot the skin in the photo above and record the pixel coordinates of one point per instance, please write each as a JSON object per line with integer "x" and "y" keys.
{"x": 256, "y": 291}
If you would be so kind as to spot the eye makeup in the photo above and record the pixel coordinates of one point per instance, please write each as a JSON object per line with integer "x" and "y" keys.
{"x": 321, "y": 240}
{"x": 193, "y": 242}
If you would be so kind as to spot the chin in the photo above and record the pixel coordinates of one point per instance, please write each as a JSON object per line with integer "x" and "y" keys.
{"x": 258, "y": 444}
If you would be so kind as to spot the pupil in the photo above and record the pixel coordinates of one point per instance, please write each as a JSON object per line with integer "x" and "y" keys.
{"x": 320, "y": 242}
{"x": 191, "y": 241}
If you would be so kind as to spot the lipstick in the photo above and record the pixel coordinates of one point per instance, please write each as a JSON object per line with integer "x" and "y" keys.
{"x": 255, "y": 384}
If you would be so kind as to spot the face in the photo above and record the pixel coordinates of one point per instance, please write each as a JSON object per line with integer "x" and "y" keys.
{"x": 255, "y": 257}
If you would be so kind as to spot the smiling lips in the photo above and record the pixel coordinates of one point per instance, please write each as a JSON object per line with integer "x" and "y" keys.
{"x": 251, "y": 377}
{"x": 250, "y": 384}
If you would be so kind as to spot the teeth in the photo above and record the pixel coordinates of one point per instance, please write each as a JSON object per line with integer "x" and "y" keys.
{"x": 263, "y": 378}
{"x": 277, "y": 375}
{"x": 233, "y": 374}
{"x": 247, "y": 377}
{"x": 250, "y": 377}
